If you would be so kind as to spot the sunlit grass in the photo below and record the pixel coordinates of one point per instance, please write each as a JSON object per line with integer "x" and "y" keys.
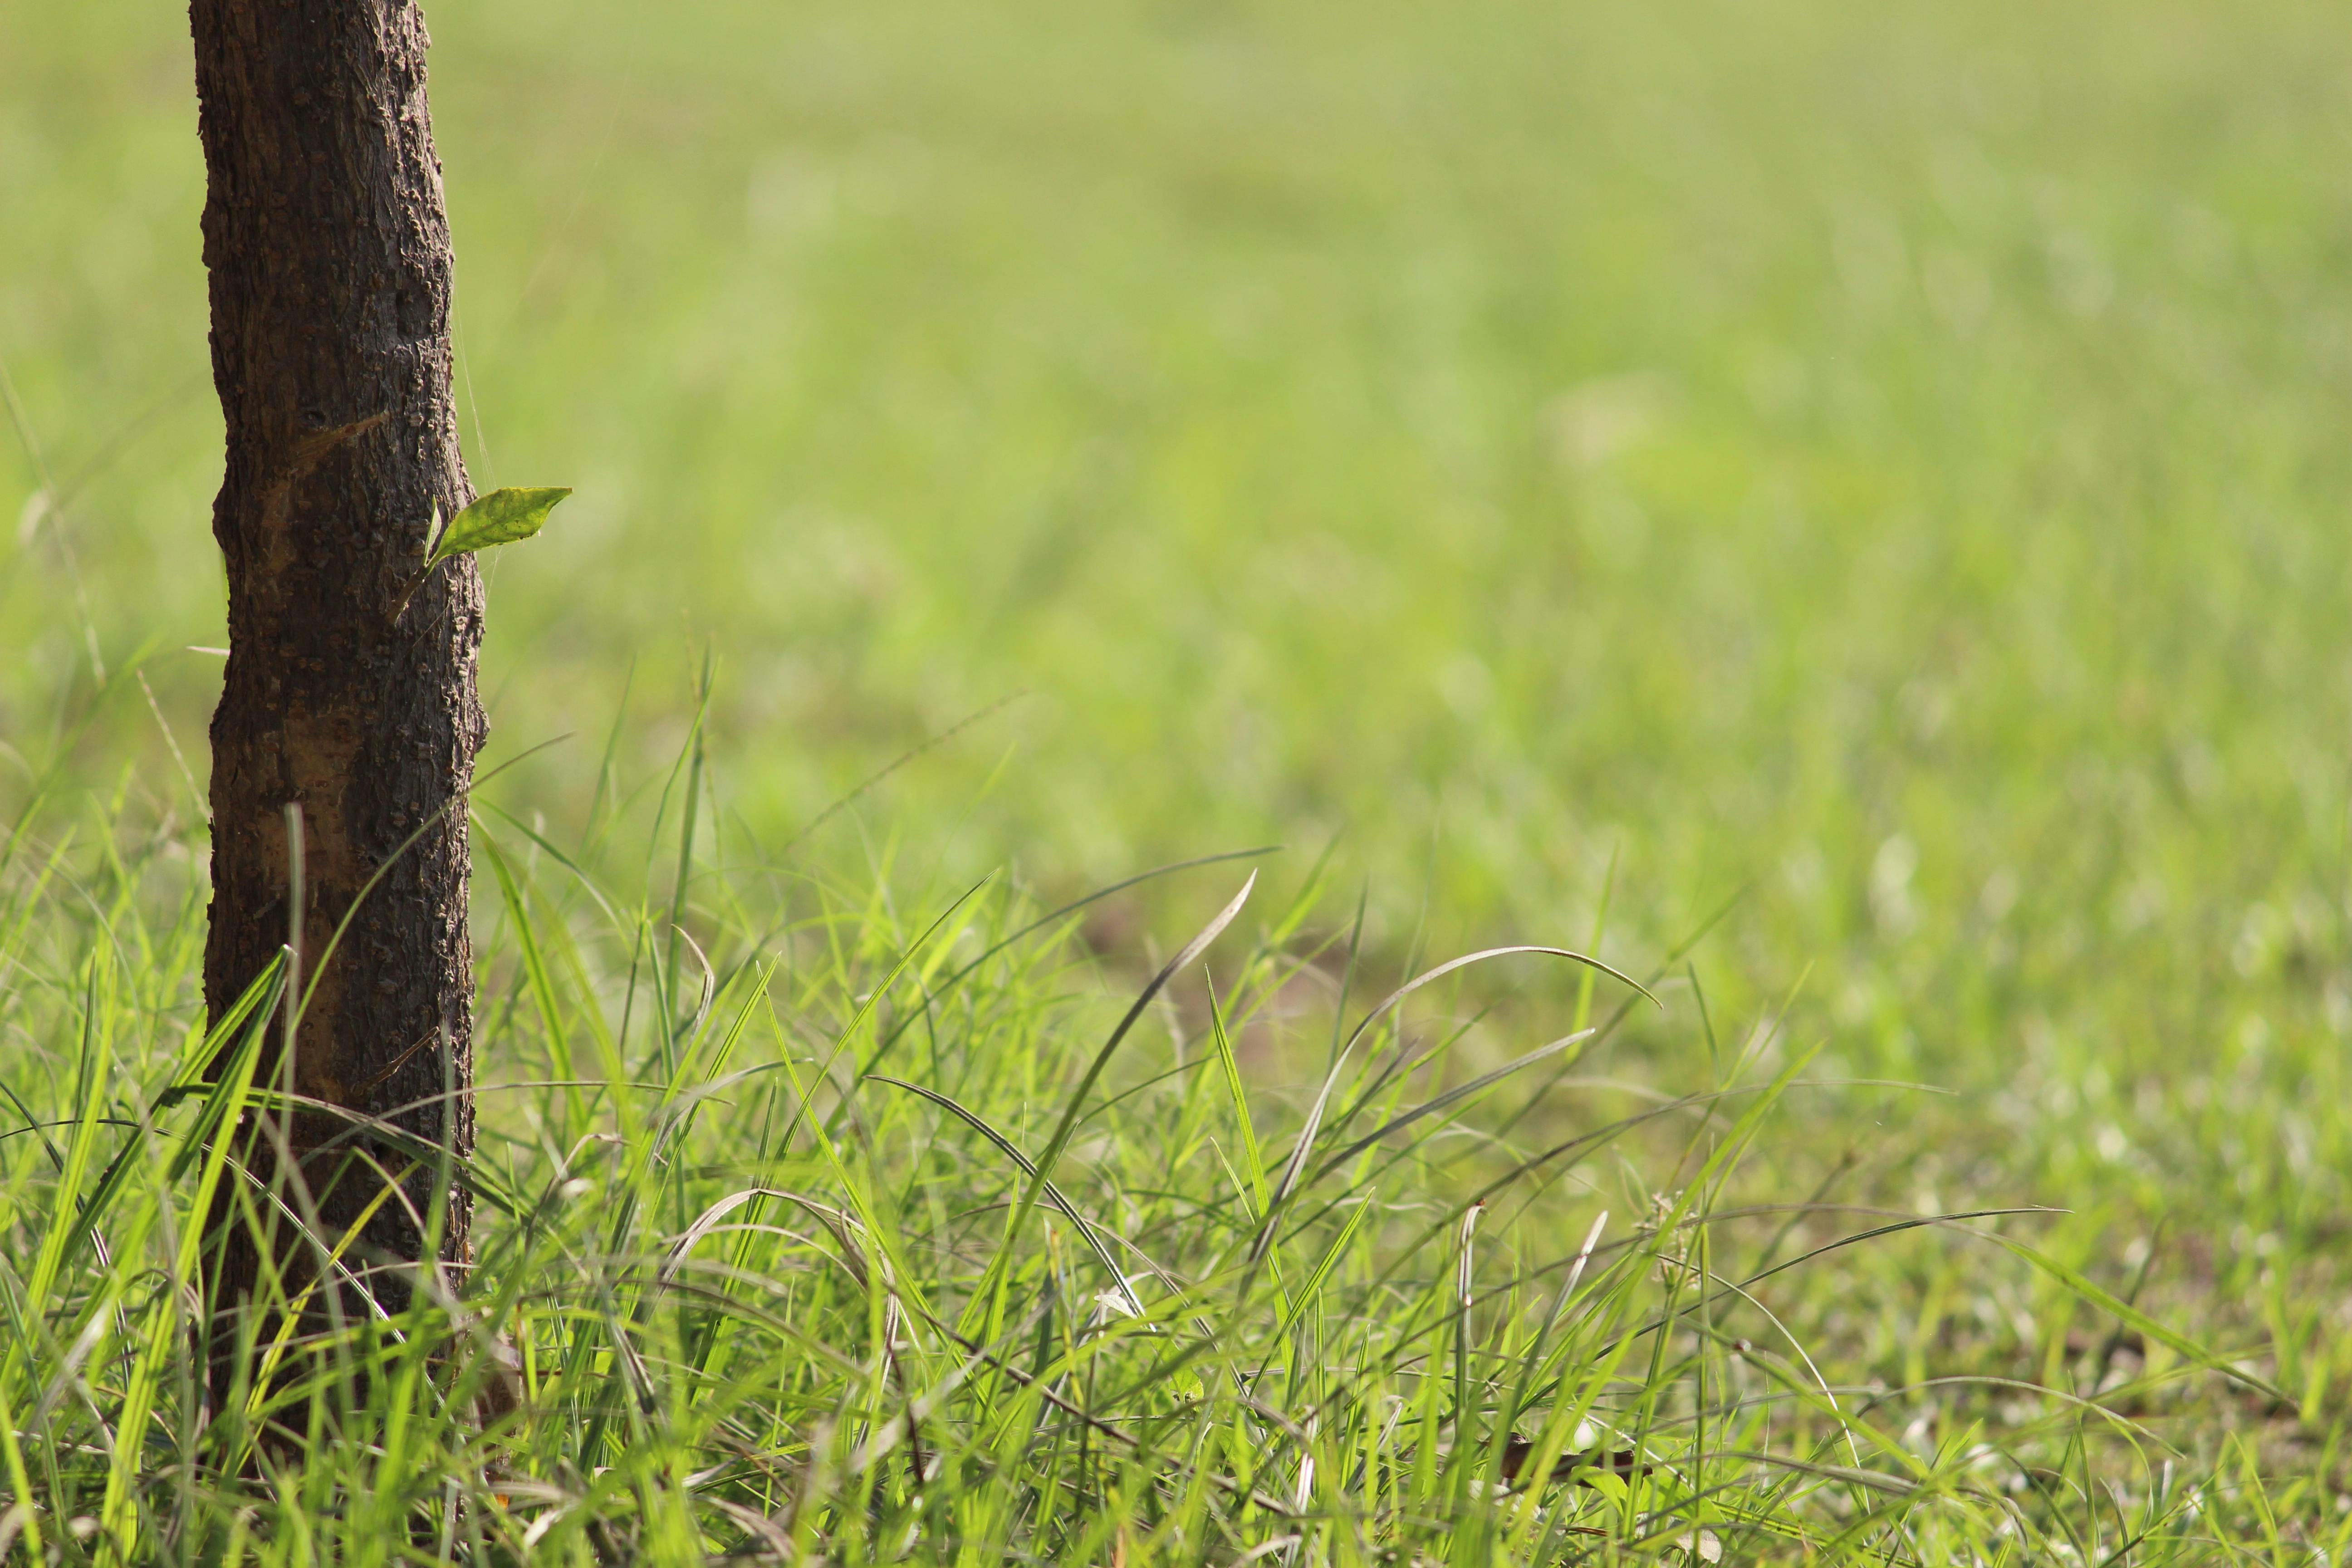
{"x": 900, "y": 1228}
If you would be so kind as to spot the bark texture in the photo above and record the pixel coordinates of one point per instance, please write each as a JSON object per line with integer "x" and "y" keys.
{"x": 328, "y": 247}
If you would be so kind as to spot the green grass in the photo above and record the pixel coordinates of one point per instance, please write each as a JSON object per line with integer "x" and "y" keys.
{"x": 870, "y": 1235}
{"x": 1883, "y": 463}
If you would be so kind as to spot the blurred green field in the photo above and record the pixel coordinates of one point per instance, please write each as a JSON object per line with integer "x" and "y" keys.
{"x": 1894, "y": 461}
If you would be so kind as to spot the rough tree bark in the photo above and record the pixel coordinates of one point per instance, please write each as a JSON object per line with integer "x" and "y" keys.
{"x": 328, "y": 247}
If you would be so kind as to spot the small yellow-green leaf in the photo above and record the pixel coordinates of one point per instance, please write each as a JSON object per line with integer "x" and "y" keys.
{"x": 500, "y": 517}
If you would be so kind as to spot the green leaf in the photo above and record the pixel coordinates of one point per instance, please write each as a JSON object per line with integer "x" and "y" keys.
{"x": 500, "y": 517}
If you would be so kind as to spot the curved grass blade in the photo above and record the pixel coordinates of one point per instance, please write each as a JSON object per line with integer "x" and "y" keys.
{"x": 958, "y": 976}
{"x": 1295, "y": 1172}
{"x": 873, "y": 999}
{"x": 1450, "y": 1096}
{"x": 2132, "y": 1317}
{"x": 991, "y": 1289}
{"x": 1069, "y": 1122}
{"x": 1087, "y": 1229}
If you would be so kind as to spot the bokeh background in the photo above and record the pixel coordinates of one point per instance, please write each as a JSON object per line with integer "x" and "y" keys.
{"x": 1888, "y": 464}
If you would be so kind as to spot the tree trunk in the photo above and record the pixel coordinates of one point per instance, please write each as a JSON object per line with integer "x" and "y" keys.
{"x": 328, "y": 249}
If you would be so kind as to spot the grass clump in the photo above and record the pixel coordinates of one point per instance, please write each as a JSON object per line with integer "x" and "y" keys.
{"x": 908, "y": 1227}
